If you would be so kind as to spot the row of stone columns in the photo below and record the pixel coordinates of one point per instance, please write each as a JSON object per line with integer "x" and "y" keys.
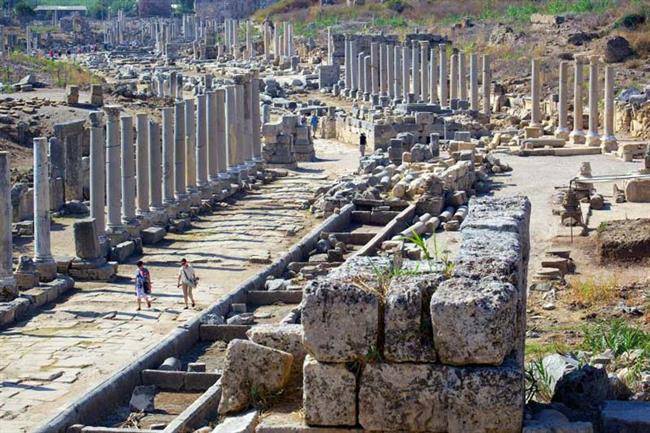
{"x": 283, "y": 46}
{"x": 578, "y": 136}
{"x": 394, "y": 72}
{"x": 191, "y": 159}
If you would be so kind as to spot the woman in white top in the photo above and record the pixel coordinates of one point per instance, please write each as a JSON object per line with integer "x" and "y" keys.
{"x": 187, "y": 280}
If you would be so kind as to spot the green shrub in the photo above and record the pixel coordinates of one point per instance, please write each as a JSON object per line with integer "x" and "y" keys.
{"x": 616, "y": 335}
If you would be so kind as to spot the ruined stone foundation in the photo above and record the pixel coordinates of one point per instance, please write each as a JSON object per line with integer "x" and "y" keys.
{"x": 435, "y": 351}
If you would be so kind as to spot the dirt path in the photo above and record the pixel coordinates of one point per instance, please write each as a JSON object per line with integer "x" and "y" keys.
{"x": 54, "y": 357}
{"x": 537, "y": 178}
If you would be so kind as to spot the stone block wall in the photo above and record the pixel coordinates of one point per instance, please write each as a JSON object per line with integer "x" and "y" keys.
{"x": 379, "y": 132}
{"x": 287, "y": 141}
{"x": 439, "y": 351}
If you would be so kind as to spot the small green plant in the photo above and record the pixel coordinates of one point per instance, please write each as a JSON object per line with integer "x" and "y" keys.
{"x": 538, "y": 382}
{"x": 373, "y": 355}
{"x": 618, "y": 336}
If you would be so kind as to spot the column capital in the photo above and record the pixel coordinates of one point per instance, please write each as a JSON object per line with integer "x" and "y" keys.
{"x": 112, "y": 112}
{"x": 96, "y": 118}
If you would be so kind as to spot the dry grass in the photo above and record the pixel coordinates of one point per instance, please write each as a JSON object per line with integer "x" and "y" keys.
{"x": 591, "y": 292}
{"x": 639, "y": 40}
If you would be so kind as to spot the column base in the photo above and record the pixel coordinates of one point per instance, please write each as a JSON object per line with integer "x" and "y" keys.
{"x": 183, "y": 202}
{"x": 608, "y": 143}
{"x": 8, "y": 289}
{"x": 593, "y": 139}
{"x": 194, "y": 197}
{"x": 46, "y": 269}
{"x": 158, "y": 215}
{"x": 116, "y": 235}
{"x": 561, "y": 133}
{"x": 577, "y": 137}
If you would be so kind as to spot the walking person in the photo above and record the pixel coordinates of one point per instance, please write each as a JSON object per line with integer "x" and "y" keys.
{"x": 142, "y": 285}
{"x": 187, "y": 280}
{"x": 362, "y": 144}
{"x": 314, "y": 124}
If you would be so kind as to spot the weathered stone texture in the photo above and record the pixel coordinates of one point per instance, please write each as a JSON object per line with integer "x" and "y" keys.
{"x": 487, "y": 399}
{"x": 407, "y": 321}
{"x": 329, "y": 394}
{"x": 404, "y": 397}
{"x": 285, "y": 337}
{"x": 473, "y": 321}
{"x": 250, "y": 367}
{"x": 340, "y": 321}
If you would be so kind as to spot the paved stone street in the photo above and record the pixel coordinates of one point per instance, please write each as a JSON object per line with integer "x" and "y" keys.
{"x": 51, "y": 359}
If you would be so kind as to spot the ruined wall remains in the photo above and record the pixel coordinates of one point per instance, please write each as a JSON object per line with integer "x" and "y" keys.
{"x": 437, "y": 350}
{"x": 287, "y": 141}
{"x": 379, "y": 132}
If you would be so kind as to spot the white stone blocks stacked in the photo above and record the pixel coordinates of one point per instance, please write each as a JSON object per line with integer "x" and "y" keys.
{"x": 437, "y": 351}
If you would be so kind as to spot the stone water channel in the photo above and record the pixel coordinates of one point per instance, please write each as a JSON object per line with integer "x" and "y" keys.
{"x": 54, "y": 357}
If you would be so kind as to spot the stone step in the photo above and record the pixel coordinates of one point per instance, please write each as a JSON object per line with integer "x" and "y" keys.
{"x": 548, "y": 274}
{"x": 559, "y": 252}
{"x": 561, "y": 264}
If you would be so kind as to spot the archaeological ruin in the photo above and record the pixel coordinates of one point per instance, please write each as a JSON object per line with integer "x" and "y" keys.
{"x": 305, "y": 216}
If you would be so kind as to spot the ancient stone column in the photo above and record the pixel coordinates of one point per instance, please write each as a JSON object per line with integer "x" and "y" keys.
{"x": 390, "y": 70}
{"x": 241, "y": 126}
{"x": 577, "y": 136}
{"x": 221, "y": 134}
{"x": 383, "y": 69}
{"x": 406, "y": 66}
{"x": 97, "y": 172}
{"x": 255, "y": 114}
{"x": 444, "y": 101}
{"x": 43, "y": 259}
{"x": 486, "y": 79}
{"x": 415, "y": 69}
{"x": 180, "y": 188}
{"x": 211, "y": 134}
{"x": 247, "y": 104}
{"x": 462, "y": 77}
{"x": 7, "y": 280}
{"x": 168, "y": 155}
{"x": 397, "y": 72}
{"x": 374, "y": 66}
{"x": 190, "y": 147}
{"x": 128, "y": 170}
{"x": 348, "y": 63}
{"x": 362, "y": 75}
{"x": 473, "y": 81}
{"x": 113, "y": 170}
{"x": 536, "y": 113}
{"x": 453, "y": 77}
{"x": 367, "y": 68}
{"x": 593, "y": 138}
{"x": 562, "y": 130}
{"x": 142, "y": 162}
{"x": 424, "y": 74}
{"x": 155, "y": 168}
{"x": 231, "y": 127}
{"x": 433, "y": 76}
{"x": 608, "y": 140}
{"x": 201, "y": 143}
{"x": 354, "y": 71}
